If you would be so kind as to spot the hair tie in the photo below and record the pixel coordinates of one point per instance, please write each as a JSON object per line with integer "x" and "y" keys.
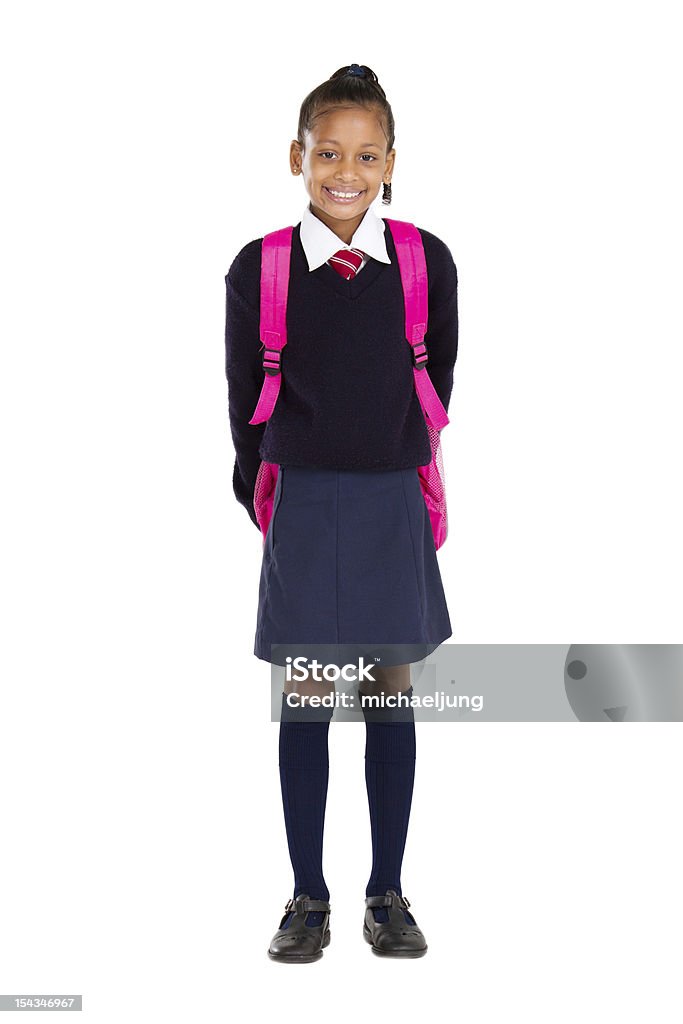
{"x": 356, "y": 69}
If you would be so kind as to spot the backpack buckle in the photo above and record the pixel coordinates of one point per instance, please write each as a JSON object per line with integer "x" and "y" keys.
{"x": 419, "y": 355}
{"x": 271, "y": 361}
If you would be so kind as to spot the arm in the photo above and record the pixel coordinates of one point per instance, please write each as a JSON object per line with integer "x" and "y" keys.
{"x": 441, "y": 338}
{"x": 244, "y": 372}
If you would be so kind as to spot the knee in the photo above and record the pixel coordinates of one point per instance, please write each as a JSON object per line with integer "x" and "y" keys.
{"x": 392, "y": 680}
{"x": 307, "y": 701}
{"x": 309, "y": 686}
{"x": 387, "y": 698}
{"x": 387, "y": 708}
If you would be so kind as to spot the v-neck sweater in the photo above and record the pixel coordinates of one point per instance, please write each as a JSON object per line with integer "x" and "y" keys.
{"x": 347, "y": 395}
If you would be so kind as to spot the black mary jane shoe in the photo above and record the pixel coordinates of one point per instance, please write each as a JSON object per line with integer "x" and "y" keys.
{"x": 301, "y": 943}
{"x": 397, "y": 936}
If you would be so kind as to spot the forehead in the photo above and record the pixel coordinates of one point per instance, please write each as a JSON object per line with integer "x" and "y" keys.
{"x": 348, "y": 126}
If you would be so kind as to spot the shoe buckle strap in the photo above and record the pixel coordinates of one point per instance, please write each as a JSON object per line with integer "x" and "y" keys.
{"x": 379, "y": 901}
{"x": 388, "y": 900}
{"x": 303, "y": 905}
{"x": 315, "y": 905}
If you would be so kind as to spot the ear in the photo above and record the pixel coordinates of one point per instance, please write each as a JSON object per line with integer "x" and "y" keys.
{"x": 295, "y": 157}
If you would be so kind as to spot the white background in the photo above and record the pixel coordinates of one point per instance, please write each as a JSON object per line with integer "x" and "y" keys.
{"x": 143, "y": 859}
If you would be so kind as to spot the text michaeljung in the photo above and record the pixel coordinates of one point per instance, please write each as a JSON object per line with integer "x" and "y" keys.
{"x": 438, "y": 701}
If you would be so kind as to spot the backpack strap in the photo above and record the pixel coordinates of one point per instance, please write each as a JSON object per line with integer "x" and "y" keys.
{"x": 275, "y": 257}
{"x": 413, "y": 268}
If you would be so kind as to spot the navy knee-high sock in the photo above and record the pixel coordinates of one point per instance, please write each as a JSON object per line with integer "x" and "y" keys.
{"x": 304, "y": 772}
{"x": 389, "y": 775}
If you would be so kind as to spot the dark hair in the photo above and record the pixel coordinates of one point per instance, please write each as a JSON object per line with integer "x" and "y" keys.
{"x": 356, "y": 85}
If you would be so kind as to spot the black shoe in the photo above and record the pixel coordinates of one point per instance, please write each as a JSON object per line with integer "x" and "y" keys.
{"x": 300, "y": 943}
{"x": 397, "y": 936}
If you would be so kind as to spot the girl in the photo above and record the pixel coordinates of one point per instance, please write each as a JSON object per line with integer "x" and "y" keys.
{"x": 349, "y": 554}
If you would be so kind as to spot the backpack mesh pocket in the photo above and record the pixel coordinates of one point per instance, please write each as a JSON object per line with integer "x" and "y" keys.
{"x": 264, "y": 494}
{"x": 433, "y": 484}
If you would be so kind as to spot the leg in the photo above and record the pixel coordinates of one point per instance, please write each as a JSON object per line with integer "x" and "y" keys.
{"x": 304, "y": 770}
{"x": 389, "y": 775}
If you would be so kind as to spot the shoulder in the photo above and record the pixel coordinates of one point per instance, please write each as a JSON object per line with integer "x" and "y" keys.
{"x": 249, "y": 255}
{"x": 244, "y": 273}
{"x": 435, "y": 245}
{"x": 442, "y": 272}
{"x": 438, "y": 255}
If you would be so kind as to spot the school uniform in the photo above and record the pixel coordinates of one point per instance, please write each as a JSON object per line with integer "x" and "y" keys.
{"x": 349, "y": 556}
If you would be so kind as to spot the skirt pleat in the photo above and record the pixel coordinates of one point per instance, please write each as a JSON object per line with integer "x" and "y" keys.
{"x": 349, "y": 558}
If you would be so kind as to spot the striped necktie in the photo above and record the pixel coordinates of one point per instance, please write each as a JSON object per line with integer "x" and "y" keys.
{"x": 347, "y": 262}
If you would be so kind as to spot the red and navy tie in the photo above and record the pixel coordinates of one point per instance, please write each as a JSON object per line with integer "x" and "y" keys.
{"x": 347, "y": 262}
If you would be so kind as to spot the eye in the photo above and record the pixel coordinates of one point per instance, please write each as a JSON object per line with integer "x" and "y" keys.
{"x": 328, "y": 152}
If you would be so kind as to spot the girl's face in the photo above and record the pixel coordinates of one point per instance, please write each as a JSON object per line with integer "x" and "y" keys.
{"x": 345, "y": 152}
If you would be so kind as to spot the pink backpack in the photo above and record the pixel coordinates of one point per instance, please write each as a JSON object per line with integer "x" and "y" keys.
{"x": 275, "y": 259}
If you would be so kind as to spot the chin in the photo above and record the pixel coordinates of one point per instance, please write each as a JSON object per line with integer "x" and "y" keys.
{"x": 342, "y": 210}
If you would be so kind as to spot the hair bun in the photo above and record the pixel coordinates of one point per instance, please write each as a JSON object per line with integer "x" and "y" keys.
{"x": 360, "y": 71}
{"x": 357, "y": 71}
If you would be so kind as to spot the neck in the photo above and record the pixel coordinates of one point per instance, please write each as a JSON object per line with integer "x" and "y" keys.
{"x": 343, "y": 229}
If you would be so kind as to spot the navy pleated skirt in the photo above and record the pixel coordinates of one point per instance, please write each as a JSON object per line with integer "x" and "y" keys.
{"x": 349, "y": 558}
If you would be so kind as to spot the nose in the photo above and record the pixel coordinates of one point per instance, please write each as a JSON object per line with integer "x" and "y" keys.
{"x": 346, "y": 171}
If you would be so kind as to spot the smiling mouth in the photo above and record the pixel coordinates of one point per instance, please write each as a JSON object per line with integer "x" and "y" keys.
{"x": 343, "y": 195}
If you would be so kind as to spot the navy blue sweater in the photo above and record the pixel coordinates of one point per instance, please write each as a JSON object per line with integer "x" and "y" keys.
{"x": 347, "y": 394}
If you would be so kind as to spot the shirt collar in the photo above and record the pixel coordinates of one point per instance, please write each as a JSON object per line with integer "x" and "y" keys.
{"x": 320, "y": 242}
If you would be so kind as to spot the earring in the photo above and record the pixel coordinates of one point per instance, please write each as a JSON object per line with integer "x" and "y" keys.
{"x": 386, "y": 193}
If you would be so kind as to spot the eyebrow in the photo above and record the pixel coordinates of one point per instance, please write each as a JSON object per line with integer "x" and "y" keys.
{"x": 364, "y": 145}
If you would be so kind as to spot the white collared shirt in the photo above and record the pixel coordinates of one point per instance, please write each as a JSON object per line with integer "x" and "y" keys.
{"x": 320, "y": 242}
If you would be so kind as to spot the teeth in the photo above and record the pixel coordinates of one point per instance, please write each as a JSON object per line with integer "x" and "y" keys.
{"x": 343, "y": 195}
